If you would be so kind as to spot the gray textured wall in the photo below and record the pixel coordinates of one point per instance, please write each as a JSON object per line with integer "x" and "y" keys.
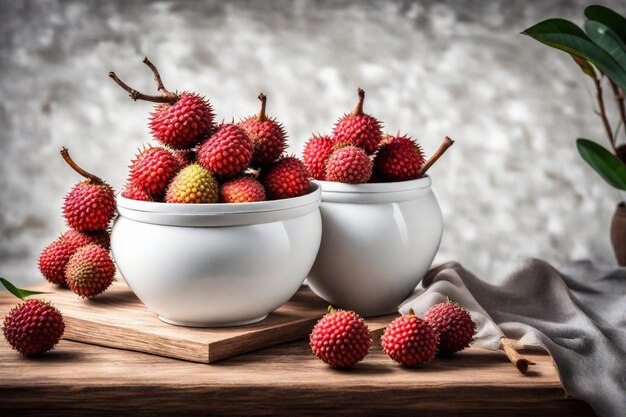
{"x": 513, "y": 185}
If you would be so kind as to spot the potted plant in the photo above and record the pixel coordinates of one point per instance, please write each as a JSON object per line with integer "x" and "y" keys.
{"x": 600, "y": 52}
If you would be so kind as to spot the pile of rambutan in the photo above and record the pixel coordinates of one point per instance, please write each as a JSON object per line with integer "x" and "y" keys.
{"x": 341, "y": 338}
{"x": 358, "y": 152}
{"x": 199, "y": 161}
{"x": 79, "y": 258}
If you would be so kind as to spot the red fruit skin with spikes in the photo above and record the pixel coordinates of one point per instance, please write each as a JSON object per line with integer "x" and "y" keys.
{"x": 341, "y": 339}
{"x": 454, "y": 325}
{"x": 399, "y": 158}
{"x": 90, "y": 271}
{"x": 152, "y": 170}
{"x": 350, "y": 165}
{"x": 53, "y": 259}
{"x": 78, "y": 239}
{"x": 89, "y": 206}
{"x": 409, "y": 340}
{"x": 269, "y": 139}
{"x": 184, "y": 157}
{"x": 316, "y": 153}
{"x": 227, "y": 153}
{"x": 286, "y": 178}
{"x": 33, "y": 327}
{"x": 242, "y": 190}
{"x": 183, "y": 124}
{"x": 135, "y": 193}
{"x": 361, "y": 130}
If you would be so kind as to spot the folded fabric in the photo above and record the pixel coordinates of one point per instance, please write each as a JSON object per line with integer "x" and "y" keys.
{"x": 578, "y": 315}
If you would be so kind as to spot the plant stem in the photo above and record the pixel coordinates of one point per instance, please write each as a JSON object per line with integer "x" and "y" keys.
{"x": 619, "y": 97}
{"x": 603, "y": 117}
{"x": 136, "y": 95}
{"x": 447, "y": 142}
{"x": 157, "y": 79}
{"x": 358, "y": 109}
{"x": 262, "y": 116}
{"x": 66, "y": 155}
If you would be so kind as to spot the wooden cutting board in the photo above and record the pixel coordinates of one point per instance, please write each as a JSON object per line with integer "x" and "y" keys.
{"x": 118, "y": 319}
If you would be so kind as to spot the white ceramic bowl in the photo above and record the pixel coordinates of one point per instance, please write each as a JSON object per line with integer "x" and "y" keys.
{"x": 215, "y": 265}
{"x": 378, "y": 241}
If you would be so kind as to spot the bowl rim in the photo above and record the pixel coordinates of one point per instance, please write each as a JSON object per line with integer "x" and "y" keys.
{"x": 312, "y": 197}
{"x": 375, "y": 188}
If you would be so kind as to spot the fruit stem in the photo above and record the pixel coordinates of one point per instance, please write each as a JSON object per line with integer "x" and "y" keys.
{"x": 330, "y": 309}
{"x": 66, "y": 155}
{"x": 447, "y": 142}
{"x": 262, "y": 116}
{"x": 136, "y": 95}
{"x": 516, "y": 359}
{"x": 411, "y": 313}
{"x": 157, "y": 79}
{"x": 358, "y": 109}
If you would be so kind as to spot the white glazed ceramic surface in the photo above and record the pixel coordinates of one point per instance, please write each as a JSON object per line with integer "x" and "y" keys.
{"x": 378, "y": 241}
{"x": 214, "y": 265}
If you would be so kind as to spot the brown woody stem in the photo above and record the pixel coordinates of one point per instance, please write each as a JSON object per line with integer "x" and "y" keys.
{"x": 411, "y": 312}
{"x": 358, "y": 109}
{"x": 516, "y": 359}
{"x": 619, "y": 98}
{"x": 136, "y": 95}
{"x": 262, "y": 116}
{"x": 447, "y": 142}
{"x": 603, "y": 117}
{"x": 157, "y": 79}
{"x": 66, "y": 155}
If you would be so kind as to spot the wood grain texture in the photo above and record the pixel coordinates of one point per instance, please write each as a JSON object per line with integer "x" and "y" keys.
{"x": 118, "y": 319}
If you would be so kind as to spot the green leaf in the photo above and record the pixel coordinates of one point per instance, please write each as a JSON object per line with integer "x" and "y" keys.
{"x": 585, "y": 66}
{"x": 18, "y": 292}
{"x": 608, "y": 40}
{"x": 566, "y": 36}
{"x": 609, "y": 166}
{"x": 608, "y": 17}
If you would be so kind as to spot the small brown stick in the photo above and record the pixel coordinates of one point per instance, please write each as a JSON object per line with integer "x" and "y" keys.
{"x": 66, "y": 155}
{"x": 447, "y": 142}
{"x": 619, "y": 98}
{"x": 157, "y": 79}
{"x": 136, "y": 95}
{"x": 358, "y": 109}
{"x": 603, "y": 117}
{"x": 262, "y": 116}
{"x": 516, "y": 359}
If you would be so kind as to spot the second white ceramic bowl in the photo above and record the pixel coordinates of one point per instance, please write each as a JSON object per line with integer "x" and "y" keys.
{"x": 378, "y": 241}
{"x": 215, "y": 265}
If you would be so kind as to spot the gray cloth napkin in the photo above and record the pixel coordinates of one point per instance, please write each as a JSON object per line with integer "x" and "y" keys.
{"x": 578, "y": 315}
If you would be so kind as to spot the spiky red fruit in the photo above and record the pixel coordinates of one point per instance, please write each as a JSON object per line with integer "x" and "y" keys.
{"x": 184, "y": 157}
{"x": 228, "y": 152}
{"x": 90, "y": 271}
{"x": 267, "y": 134}
{"x": 399, "y": 158}
{"x": 316, "y": 153}
{"x": 33, "y": 327}
{"x": 53, "y": 260}
{"x": 358, "y": 129}
{"x": 349, "y": 164}
{"x": 152, "y": 170}
{"x": 78, "y": 239}
{"x": 135, "y": 193}
{"x": 89, "y": 206}
{"x": 454, "y": 325}
{"x": 341, "y": 339}
{"x": 184, "y": 123}
{"x": 242, "y": 190}
{"x": 409, "y": 340}
{"x": 286, "y": 178}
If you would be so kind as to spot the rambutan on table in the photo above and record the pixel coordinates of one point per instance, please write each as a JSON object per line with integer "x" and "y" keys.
{"x": 84, "y": 380}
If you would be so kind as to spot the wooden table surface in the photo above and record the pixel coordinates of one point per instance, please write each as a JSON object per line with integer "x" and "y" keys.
{"x": 83, "y": 380}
